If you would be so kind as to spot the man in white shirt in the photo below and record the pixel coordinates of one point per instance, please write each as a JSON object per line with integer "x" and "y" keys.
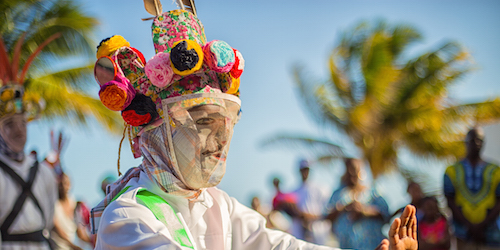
{"x": 28, "y": 190}
{"x": 180, "y": 108}
{"x": 311, "y": 201}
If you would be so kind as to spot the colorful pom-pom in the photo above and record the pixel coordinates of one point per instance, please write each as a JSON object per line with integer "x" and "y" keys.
{"x": 141, "y": 111}
{"x": 239, "y": 65}
{"x": 134, "y": 119}
{"x": 110, "y": 45}
{"x": 235, "y": 85}
{"x": 219, "y": 56}
{"x": 117, "y": 94}
{"x": 159, "y": 71}
{"x": 186, "y": 57}
{"x": 139, "y": 54}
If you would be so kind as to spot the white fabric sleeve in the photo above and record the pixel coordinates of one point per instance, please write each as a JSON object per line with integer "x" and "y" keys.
{"x": 249, "y": 232}
{"x": 128, "y": 225}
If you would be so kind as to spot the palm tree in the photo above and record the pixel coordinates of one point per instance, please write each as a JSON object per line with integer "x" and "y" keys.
{"x": 383, "y": 100}
{"x": 38, "y": 38}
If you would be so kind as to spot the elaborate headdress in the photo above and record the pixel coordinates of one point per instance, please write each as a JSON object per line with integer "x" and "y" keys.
{"x": 185, "y": 65}
{"x": 12, "y": 78}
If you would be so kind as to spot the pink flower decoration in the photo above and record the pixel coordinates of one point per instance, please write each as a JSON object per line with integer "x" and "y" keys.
{"x": 171, "y": 32}
{"x": 159, "y": 71}
{"x": 143, "y": 84}
{"x": 190, "y": 82}
{"x": 207, "y": 89}
{"x": 166, "y": 20}
{"x": 174, "y": 94}
{"x": 171, "y": 43}
{"x": 161, "y": 48}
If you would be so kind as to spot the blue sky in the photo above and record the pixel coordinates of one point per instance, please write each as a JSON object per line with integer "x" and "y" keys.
{"x": 273, "y": 36}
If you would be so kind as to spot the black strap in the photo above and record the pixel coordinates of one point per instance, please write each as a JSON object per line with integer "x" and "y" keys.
{"x": 34, "y": 236}
{"x": 25, "y": 193}
{"x": 22, "y": 183}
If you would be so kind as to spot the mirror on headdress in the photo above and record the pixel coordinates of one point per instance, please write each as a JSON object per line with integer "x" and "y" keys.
{"x": 104, "y": 70}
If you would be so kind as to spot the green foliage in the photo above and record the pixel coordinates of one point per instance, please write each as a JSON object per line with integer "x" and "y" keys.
{"x": 384, "y": 100}
{"x": 49, "y": 78}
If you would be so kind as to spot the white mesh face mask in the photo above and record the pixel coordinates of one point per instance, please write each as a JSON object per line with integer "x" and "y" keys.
{"x": 199, "y": 134}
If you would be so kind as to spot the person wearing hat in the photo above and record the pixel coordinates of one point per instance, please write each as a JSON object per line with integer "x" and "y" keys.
{"x": 28, "y": 190}
{"x": 311, "y": 203}
{"x": 180, "y": 108}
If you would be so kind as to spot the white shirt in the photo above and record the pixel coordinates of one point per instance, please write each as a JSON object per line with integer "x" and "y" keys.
{"x": 67, "y": 225}
{"x": 215, "y": 221}
{"x": 29, "y": 219}
{"x": 312, "y": 200}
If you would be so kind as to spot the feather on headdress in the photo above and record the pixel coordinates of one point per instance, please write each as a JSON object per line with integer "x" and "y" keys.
{"x": 12, "y": 79}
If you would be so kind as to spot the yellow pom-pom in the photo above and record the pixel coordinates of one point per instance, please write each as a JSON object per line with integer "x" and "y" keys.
{"x": 235, "y": 85}
{"x": 107, "y": 48}
{"x": 183, "y": 57}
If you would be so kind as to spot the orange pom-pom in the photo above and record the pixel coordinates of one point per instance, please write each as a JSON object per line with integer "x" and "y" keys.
{"x": 113, "y": 97}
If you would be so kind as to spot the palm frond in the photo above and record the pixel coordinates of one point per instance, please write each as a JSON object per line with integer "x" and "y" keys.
{"x": 41, "y": 20}
{"x": 50, "y": 80}
{"x": 75, "y": 78}
{"x": 317, "y": 104}
{"x": 473, "y": 114}
{"x": 384, "y": 101}
{"x": 313, "y": 145}
{"x": 402, "y": 36}
{"x": 340, "y": 82}
{"x": 75, "y": 107}
{"x": 430, "y": 74}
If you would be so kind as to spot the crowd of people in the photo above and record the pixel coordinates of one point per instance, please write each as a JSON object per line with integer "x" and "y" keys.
{"x": 357, "y": 213}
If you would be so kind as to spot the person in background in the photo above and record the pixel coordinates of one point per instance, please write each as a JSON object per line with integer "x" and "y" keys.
{"x": 416, "y": 194}
{"x": 357, "y": 212}
{"x": 433, "y": 229}
{"x": 28, "y": 190}
{"x": 472, "y": 189}
{"x": 309, "y": 224}
{"x": 66, "y": 227}
{"x": 415, "y": 191}
{"x": 285, "y": 202}
{"x": 105, "y": 182}
{"x": 82, "y": 215}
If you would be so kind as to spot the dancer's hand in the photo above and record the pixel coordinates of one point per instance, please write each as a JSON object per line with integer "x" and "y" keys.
{"x": 403, "y": 232}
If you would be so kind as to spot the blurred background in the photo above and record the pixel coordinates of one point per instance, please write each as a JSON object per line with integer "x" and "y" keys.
{"x": 394, "y": 83}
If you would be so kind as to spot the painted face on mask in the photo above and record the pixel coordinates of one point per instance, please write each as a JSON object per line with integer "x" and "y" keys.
{"x": 13, "y": 131}
{"x": 200, "y": 139}
{"x": 213, "y": 131}
{"x": 200, "y": 148}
